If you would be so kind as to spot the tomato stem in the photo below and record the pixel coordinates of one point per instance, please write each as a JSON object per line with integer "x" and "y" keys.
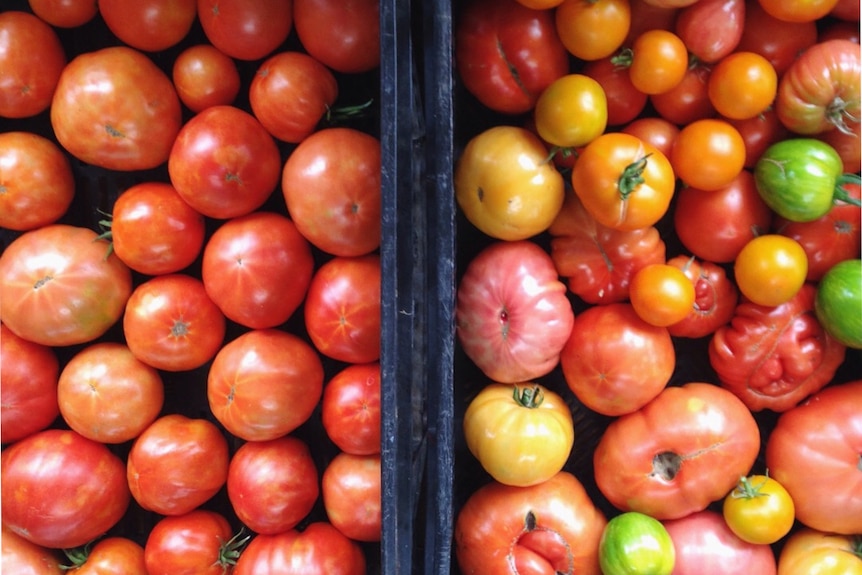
{"x": 632, "y": 177}
{"x": 841, "y": 194}
{"x": 77, "y": 555}
{"x": 530, "y": 397}
{"x": 747, "y": 490}
{"x": 623, "y": 58}
{"x": 339, "y": 114}
{"x": 231, "y": 549}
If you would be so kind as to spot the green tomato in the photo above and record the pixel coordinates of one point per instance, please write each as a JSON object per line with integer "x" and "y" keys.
{"x": 800, "y": 178}
{"x": 636, "y": 544}
{"x": 838, "y": 303}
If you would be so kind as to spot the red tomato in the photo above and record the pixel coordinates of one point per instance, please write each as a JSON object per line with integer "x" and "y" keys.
{"x": 161, "y": 457}
{"x": 256, "y": 268}
{"x": 331, "y": 185}
{"x": 342, "y": 309}
{"x": 65, "y": 13}
{"x": 264, "y": 384}
{"x": 18, "y": 555}
{"x": 28, "y": 396}
{"x": 846, "y": 10}
{"x": 106, "y": 394}
{"x": 61, "y": 489}
{"x": 845, "y": 29}
{"x": 779, "y": 41}
{"x": 246, "y": 29}
{"x": 708, "y": 154}
{"x": 679, "y": 453}
{"x": 614, "y": 362}
{"x": 711, "y": 29}
{"x": 624, "y": 101}
{"x": 171, "y": 323}
{"x": 32, "y": 60}
{"x": 110, "y": 556}
{"x": 224, "y": 163}
{"x": 116, "y": 109}
{"x": 655, "y": 131}
{"x": 60, "y": 287}
{"x": 715, "y": 297}
{"x": 649, "y": 15}
{"x": 199, "y": 542}
{"x": 154, "y": 231}
{"x": 687, "y": 101}
{"x": 847, "y": 146}
{"x": 506, "y": 54}
{"x": 350, "y": 409}
{"x": 759, "y": 133}
{"x": 36, "y": 179}
{"x": 272, "y": 485}
{"x": 204, "y": 76}
{"x": 823, "y": 433}
{"x": 350, "y": 487}
{"x": 512, "y": 315}
{"x": 342, "y": 34}
{"x": 592, "y": 30}
{"x": 151, "y": 25}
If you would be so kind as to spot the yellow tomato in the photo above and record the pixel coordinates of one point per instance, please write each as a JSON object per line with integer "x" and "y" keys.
{"x": 572, "y": 111}
{"x": 770, "y": 269}
{"x": 759, "y": 510}
{"x": 812, "y": 552}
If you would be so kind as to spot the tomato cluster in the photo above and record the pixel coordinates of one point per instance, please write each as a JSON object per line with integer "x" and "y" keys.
{"x": 691, "y": 176}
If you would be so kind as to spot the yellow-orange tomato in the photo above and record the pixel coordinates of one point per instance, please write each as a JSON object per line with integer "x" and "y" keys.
{"x": 571, "y": 112}
{"x": 770, "y": 269}
{"x": 759, "y": 510}
{"x": 661, "y": 294}
{"x": 593, "y": 29}
{"x": 742, "y": 85}
{"x": 708, "y": 154}
{"x": 811, "y": 552}
{"x": 657, "y": 61}
{"x": 540, "y": 4}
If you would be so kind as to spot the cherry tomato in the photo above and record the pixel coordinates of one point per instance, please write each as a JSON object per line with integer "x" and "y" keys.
{"x": 742, "y": 85}
{"x": 708, "y": 154}
{"x": 65, "y": 13}
{"x": 593, "y": 29}
{"x": 661, "y": 294}
{"x": 246, "y": 29}
{"x": 657, "y": 61}
{"x": 151, "y": 25}
{"x": 688, "y": 101}
{"x": 572, "y": 111}
{"x": 351, "y": 491}
{"x": 204, "y": 76}
{"x": 350, "y": 409}
{"x": 711, "y": 29}
{"x": 759, "y": 510}
{"x": 624, "y": 101}
{"x": 770, "y": 269}
{"x": 657, "y": 132}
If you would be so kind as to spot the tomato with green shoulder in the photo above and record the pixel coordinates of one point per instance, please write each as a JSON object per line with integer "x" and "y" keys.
{"x": 636, "y": 544}
{"x": 838, "y": 303}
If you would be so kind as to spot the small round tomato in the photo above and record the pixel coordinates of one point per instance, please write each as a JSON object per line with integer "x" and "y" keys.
{"x": 344, "y": 35}
{"x": 151, "y": 25}
{"x": 571, "y": 112}
{"x": 655, "y": 131}
{"x": 199, "y": 542}
{"x": 798, "y": 11}
{"x": 759, "y": 510}
{"x": 351, "y": 491}
{"x": 244, "y": 29}
{"x": 624, "y": 101}
{"x": 742, "y": 85}
{"x": 522, "y": 434}
{"x": 657, "y": 61}
{"x": 661, "y": 294}
{"x": 708, "y": 154}
{"x": 204, "y": 76}
{"x": 770, "y": 269}
{"x": 839, "y": 301}
{"x": 350, "y": 409}
{"x": 636, "y": 544}
{"x": 688, "y": 101}
{"x": 711, "y": 30}
{"x": 593, "y": 29}
{"x": 714, "y": 301}
{"x": 113, "y": 555}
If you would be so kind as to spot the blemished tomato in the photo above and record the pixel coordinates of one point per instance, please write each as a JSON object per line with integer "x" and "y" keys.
{"x": 200, "y": 541}
{"x": 522, "y": 434}
{"x": 798, "y": 11}
{"x": 657, "y": 61}
{"x": 688, "y": 101}
{"x": 624, "y": 101}
{"x": 114, "y": 555}
{"x": 264, "y": 384}
{"x": 808, "y": 551}
{"x": 571, "y": 112}
{"x": 18, "y": 555}
{"x": 615, "y": 362}
{"x": 714, "y": 301}
{"x": 172, "y": 324}
{"x": 759, "y": 510}
{"x": 157, "y": 468}
{"x": 151, "y": 25}
{"x": 60, "y": 489}
{"x": 344, "y": 35}
{"x": 655, "y": 131}
{"x": 116, "y": 109}
{"x": 108, "y": 395}
{"x": 204, "y": 76}
{"x": 65, "y": 13}
{"x": 742, "y": 85}
{"x": 711, "y": 29}
{"x": 779, "y": 41}
{"x": 591, "y": 30}
{"x": 708, "y": 154}
{"x": 243, "y": 29}
{"x": 351, "y": 490}
{"x": 770, "y": 269}
{"x": 636, "y": 543}
{"x": 350, "y": 409}
{"x": 759, "y": 133}
{"x": 36, "y": 179}
{"x": 60, "y": 287}
{"x": 331, "y": 186}
{"x": 272, "y": 485}
{"x": 661, "y": 294}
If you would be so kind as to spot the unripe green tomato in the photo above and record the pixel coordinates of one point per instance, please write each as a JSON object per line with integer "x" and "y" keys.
{"x": 838, "y": 303}
{"x": 636, "y": 544}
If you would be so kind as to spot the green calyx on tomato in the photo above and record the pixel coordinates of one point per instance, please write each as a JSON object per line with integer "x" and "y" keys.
{"x": 529, "y": 397}
{"x": 801, "y": 178}
{"x": 838, "y": 302}
{"x": 634, "y": 543}
{"x": 632, "y": 177}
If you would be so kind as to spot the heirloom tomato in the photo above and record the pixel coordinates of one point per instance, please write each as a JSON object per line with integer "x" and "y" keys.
{"x": 658, "y": 132}
{"x": 742, "y": 85}
{"x": 759, "y": 510}
{"x": 522, "y": 434}
{"x": 350, "y": 487}
{"x": 20, "y": 556}
{"x": 344, "y": 35}
{"x": 846, "y": 144}
{"x": 636, "y": 544}
{"x": 759, "y": 133}
{"x": 65, "y": 13}
{"x": 205, "y": 76}
{"x": 624, "y": 101}
{"x": 811, "y": 552}
{"x": 838, "y": 303}
{"x": 688, "y": 100}
{"x": 114, "y": 555}
{"x": 661, "y": 294}
{"x": 715, "y": 297}
{"x": 779, "y": 41}
{"x": 770, "y": 269}
{"x": 244, "y": 29}
{"x": 656, "y": 61}
{"x": 199, "y": 542}
{"x": 571, "y": 112}
{"x": 149, "y": 25}
{"x": 512, "y": 315}
{"x": 350, "y": 409}
{"x": 711, "y": 29}
{"x": 591, "y": 30}
{"x": 708, "y": 154}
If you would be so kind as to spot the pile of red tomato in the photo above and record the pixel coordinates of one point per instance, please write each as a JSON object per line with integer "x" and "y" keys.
{"x": 659, "y": 295}
{"x": 190, "y": 201}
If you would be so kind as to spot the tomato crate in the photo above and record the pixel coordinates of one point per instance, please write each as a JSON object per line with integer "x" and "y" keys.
{"x": 454, "y": 116}
{"x": 385, "y": 103}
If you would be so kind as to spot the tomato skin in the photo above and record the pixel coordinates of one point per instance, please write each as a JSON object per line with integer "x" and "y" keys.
{"x": 204, "y": 76}
{"x": 708, "y": 154}
{"x": 243, "y": 29}
{"x": 808, "y": 551}
{"x": 839, "y": 297}
{"x": 60, "y": 489}
{"x": 779, "y": 41}
{"x": 688, "y": 100}
{"x": 18, "y": 555}
{"x": 342, "y": 34}
{"x": 658, "y": 132}
{"x": 661, "y": 294}
{"x": 847, "y": 146}
{"x": 351, "y": 489}
{"x": 350, "y": 409}
{"x": 649, "y": 15}
{"x": 636, "y": 543}
{"x": 742, "y": 85}
{"x": 759, "y": 133}
{"x": 715, "y": 297}
{"x": 658, "y": 61}
{"x": 572, "y": 111}
{"x": 624, "y": 101}
{"x": 711, "y": 29}
{"x": 189, "y": 544}
{"x": 592, "y": 30}
{"x": 151, "y": 26}
{"x": 65, "y": 13}
{"x": 114, "y": 555}
{"x": 798, "y": 12}
{"x": 759, "y": 510}
{"x": 770, "y": 269}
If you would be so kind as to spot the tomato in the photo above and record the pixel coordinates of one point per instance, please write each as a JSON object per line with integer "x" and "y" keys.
{"x": 779, "y": 41}
{"x": 688, "y": 100}
{"x": 224, "y": 163}
{"x": 36, "y": 179}
{"x": 28, "y": 397}
{"x": 655, "y": 131}
{"x": 272, "y": 484}
{"x": 342, "y": 309}
{"x": 820, "y": 91}
{"x": 65, "y": 13}
{"x": 770, "y": 269}
{"x": 711, "y": 29}
{"x": 657, "y": 61}
{"x": 845, "y": 24}
{"x": 708, "y": 154}
{"x": 61, "y": 489}
{"x": 591, "y": 30}
{"x": 822, "y": 433}
{"x": 106, "y": 394}
{"x": 350, "y": 409}
{"x": 18, "y": 555}
{"x": 505, "y": 184}
{"x": 522, "y": 434}
{"x": 153, "y": 25}
{"x": 678, "y": 453}
{"x": 60, "y": 287}
{"x": 199, "y": 542}
{"x": 634, "y": 543}
{"x": 661, "y": 294}
{"x": 171, "y": 323}
{"x": 256, "y": 268}
{"x": 846, "y": 144}
{"x": 159, "y": 461}
{"x": 264, "y": 384}
{"x": 32, "y": 59}
{"x": 623, "y": 182}
{"x": 714, "y": 301}
{"x": 540, "y": 4}
{"x": 512, "y": 315}
{"x": 331, "y": 185}
{"x": 624, "y": 101}
{"x": 649, "y": 15}
{"x": 351, "y": 490}
{"x": 759, "y": 133}
{"x": 154, "y": 231}
{"x": 342, "y": 34}
{"x": 759, "y": 510}
{"x": 114, "y": 555}
{"x": 572, "y": 111}
{"x": 798, "y": 12}
{"x": 809, "y": 551}
{"x": 506, "y": 54}
{"x": 839, "y": 297}
{"x": 116, "y": 109}
{"x": 243, "y": 29}
{"x": 551, "y": 527}
{"x": 742, "y": 85}
{"x": 204, "y": 76}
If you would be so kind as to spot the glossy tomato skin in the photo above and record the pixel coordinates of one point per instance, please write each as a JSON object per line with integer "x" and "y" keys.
{"x": 114, "y": 555}
{"x": 742, "y": 85}
{"x": 656, "y": 131}
{"x": 688, "y": 100}
{"x": 770, "y": 269}
{"x": 624, "y": 101}
{"x": 759, "y": 510}
{"x": 572, "y": 111}
{"x": 711, "y": 29}
{"x": 350, "y": 409}
{"x": 779, "y": 41}
{"x": 715, "y": 297}
{"x": 592, "y": 30}
{"x": 243, "y": 29}
{"x": 61, "y": 490}
{"x": 115, "y": 108}
{"x": 636, "y": 543}
{"x": 808, "y": 551}
{"x": 192, "y": 543}
{"x": 205, "y": 76}
{"x": 153, "y": 25}
{"x": 708, "y": 154}
{"x": 64, "y": 13}
{"x": 661, "y": 294}
{"x": 344, "y": 35}
{"x": 18, "y": 555}
{"x": 759, "y": 133}
{"x": 839, "y": 297}
{"x": 351, "y": 491}
{"x": 657, "y": 61}
{"x": 60, "y": 286}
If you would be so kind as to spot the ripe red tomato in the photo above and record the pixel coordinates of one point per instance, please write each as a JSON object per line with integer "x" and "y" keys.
{"x": 350, "y": 409}
{"x": 847, "y": 145}
{"x": 714, "y": 301}
{"x": 246, "y": 29}
{"x": 779, "y": 41}
{"x": 60, "y": 489}
{"x": 204, "y": 76}
{"x": 624, "y": 101}
{"x": 342, "y": 34}
{"x": 18, "y": 555}
{"x": 114, "y": 555}
{"x": 151, "y": 25}
{"x": 656, "y": 131}
{"x": 688, "y": 100}
{"x": 60, "y": 287}
{"x": 711, "y": 29}
{"x": 708, "y": 154}
{"x": 649, "y": 15}
{"x": 200, "y": 541}
{"x": 350, "y": 487}
{"x": 759, "y": 133}
{"x": 256, "y": 268}
{"x": 264, "y": 384}
{"x": 65, "y": 13}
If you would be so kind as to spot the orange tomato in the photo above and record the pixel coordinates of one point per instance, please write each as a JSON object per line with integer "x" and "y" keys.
{"x": 811, "y": 552}
{"x": 661, "y": 294}
{"x": 571, "y": 112}
{"x": 770, "y": 269}
{"x": 742, "y": 85}
{"x": 593, "y": 29}
{"x": 657, "y": 61}
{"x": 708, "y": 154}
